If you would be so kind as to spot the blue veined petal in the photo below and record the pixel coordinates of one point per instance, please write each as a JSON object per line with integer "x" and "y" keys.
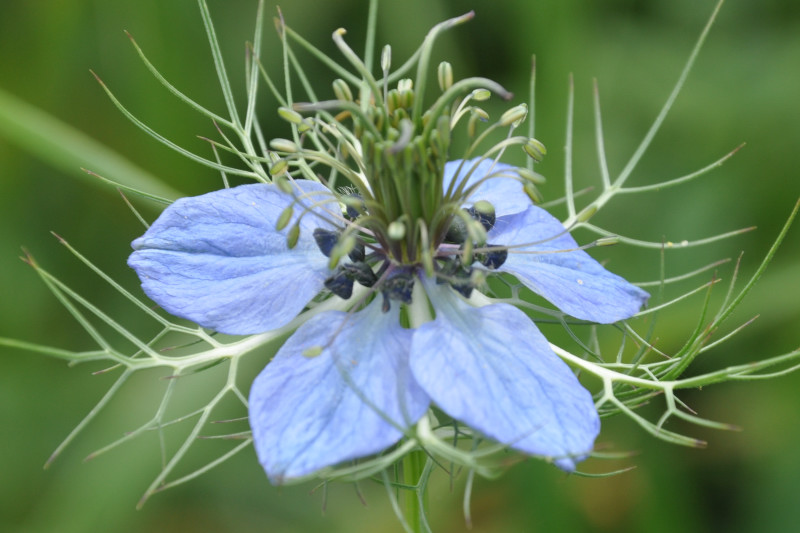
{"x": 572, "y": 281}
{"x": 218, "y": 260}
{"x": 504, "y": 193}
{"x": 491, "y": 368}
{"x": 310, "y": 412}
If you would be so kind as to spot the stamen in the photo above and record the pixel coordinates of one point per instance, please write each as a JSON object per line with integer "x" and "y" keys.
{"x": 326, "y": 240}
{"x": 398, "y": 285}
{"x": 492, "y": 259}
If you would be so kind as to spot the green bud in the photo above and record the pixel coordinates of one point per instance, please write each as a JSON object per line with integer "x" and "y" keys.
{"x": 397, "y": 230}
{"x": 353, "y": 202}
{"x": 290, "y": 115}
{"x": 406, "y": 84}
{"x": 472, "y": 125}
{"x": 607, "y": 241}
{"x": 283, "y": 145}
{"x": 532, "y": 192}
{"x": 483, "y": 207}
{"x": 587, "y": 213}
{"x": 342, "y": 91}
{"x": 313, "y": 351}
{"x": 427, "y": 262}
{"x": 393, "y": 100}
{"x": 476, "y": 231}
{"x": 445, "y": 73}
{"x": 284, "y": 218}
{"x": 530, "y": 176}
{"x": 480, "y": 114}
{"x": 466, "y": 253}
{"x": 535, "y": 149}
{"x": 345, "y": 245}
{"x": 293, "y": 236}
{"x": 480, "y": 95}
{"x": 386, "y": 58}
{"x": 514, "y": 116}
{"x": 443, "y": 128}
{"x": 477, "y": 277}
{"x": 283, "y": 183}
{"x": 279, "y": 167}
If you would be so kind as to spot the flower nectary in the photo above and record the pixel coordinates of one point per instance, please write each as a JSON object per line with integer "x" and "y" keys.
{"x": 219, "y": 260}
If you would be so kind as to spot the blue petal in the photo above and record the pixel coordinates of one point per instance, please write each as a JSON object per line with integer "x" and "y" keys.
{"x": 571, "y": 280}
{"x": 218, "y": 260}
{"x": 311, "y": 412}
{"x": 491, "y": 368}
{"x": 503, "y": 192}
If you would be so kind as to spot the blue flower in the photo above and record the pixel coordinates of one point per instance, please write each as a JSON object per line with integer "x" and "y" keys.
{"x": 350, "y": 381}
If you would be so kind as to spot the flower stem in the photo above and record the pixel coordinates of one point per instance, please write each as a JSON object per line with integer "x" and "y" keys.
{"x": 413, "y": 464}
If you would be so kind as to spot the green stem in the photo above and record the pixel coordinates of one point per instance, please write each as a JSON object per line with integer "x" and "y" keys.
{"x": 413, "y": 464}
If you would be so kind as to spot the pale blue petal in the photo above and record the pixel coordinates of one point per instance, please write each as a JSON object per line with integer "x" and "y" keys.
{"x": 311, "y": 412}
{"x": 218, "y": 260}
{"x": 503, "y": 192}
{"x": 491, "y": 368}
{"x": 571, "y": 280}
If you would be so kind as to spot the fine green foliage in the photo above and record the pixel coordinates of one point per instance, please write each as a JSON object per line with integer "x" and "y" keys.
{"x": 637, "y": 372}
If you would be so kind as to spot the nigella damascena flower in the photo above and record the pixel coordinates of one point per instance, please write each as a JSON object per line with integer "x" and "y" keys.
{"x": 353, "y": 378}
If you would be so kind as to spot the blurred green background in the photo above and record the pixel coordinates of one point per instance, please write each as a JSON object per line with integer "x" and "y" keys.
{"x": 743, "y": 89}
